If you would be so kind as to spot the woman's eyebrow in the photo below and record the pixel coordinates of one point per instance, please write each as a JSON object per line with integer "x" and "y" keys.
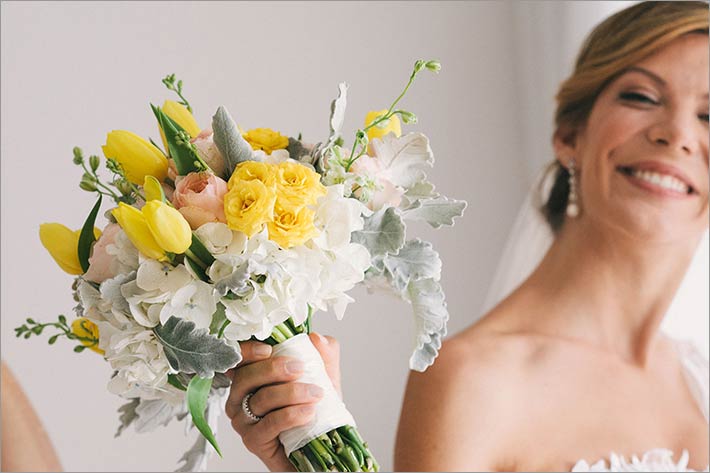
{"x": 647, "y": 73}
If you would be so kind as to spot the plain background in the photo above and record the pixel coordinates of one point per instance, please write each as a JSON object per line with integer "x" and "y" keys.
{"x": 72, "y": 71}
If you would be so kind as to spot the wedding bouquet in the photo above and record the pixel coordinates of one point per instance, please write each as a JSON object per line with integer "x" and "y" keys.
{"x": 223, "y": 236}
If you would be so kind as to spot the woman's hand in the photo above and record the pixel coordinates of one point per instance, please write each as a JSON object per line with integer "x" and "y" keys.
{"x": 283, "y": 402}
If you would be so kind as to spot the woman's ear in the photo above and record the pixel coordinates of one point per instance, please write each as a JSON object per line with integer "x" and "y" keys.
{"x": 564, "y": 142}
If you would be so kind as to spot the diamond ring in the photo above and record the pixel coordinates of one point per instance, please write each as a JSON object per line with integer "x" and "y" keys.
{"x": 247, "y": 410}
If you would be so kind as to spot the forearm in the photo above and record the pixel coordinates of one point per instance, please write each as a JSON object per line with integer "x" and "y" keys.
{"x": 25, "y": 444}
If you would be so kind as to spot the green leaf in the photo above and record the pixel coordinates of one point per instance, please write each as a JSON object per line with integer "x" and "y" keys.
{"x": 174, "y": 381}
{"x": 383, "y": 232}
{"x": 218, "y": 319}
{"x": 184, "y": 156}
{"x": 198, "y": 249}
{"x": 192, "y": 350}
{"x": 87, "y": 238}
{"x": 229, "y": 141}
{"x": 197, "y": 392}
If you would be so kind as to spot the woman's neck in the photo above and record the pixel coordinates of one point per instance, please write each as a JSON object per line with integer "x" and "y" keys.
{"x": 608, "y": 288}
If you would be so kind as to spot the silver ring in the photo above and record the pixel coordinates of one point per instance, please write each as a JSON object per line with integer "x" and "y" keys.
{"x": 247, "y": 410}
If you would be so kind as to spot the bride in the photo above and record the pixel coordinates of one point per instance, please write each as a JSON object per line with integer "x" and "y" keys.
{"x": 570, "y": 371}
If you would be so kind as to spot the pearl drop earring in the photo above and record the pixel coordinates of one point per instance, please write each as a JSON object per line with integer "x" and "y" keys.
{"x": 572, "y": 204}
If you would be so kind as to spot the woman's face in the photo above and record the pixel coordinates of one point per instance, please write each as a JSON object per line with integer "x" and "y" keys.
{"x": 642, "y": 156}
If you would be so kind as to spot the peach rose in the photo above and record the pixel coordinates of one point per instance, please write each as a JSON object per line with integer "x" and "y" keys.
{"x": 199, "y": 197}
{"x": 208, "y": 151}
{"x": 100, "y": 261}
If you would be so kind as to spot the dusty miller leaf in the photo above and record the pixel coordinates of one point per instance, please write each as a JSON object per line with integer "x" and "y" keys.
{"x": 128, "y": 415}
{"x": 337, "y": 113}
{"x": 382, "y": 233}
{"x": 430, "y": 318}
{"x": 192, "y": 350}
{"x": 195, "y": 459}
{"x": 153, "y": 413}
{"x": 436, "y": 212}
{"x": 229, "y": 141}
{"x": 415, "y": 260}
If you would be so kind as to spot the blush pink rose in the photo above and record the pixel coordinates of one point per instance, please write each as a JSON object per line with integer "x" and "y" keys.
{"x": 199, "y": 197}
{"x": 388, "y": 193}
{"x": 208, "y": 151}
{"x": 100, "y": 267}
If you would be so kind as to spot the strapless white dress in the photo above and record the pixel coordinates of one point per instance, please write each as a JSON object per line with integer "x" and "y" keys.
{"x": 697, "y": 373}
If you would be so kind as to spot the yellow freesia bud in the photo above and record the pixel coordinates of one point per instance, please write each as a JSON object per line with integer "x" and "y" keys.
{"x": 291, "y": 226}
{"x": 248, "y": 206}
{"x": 85, "y": 328}
{"x": 133, "y": 222}
{"x": 394, "y": 126}
{"x": 152, "y": 189}
{"x": 63, "y": 245}
{"x": 169, "y": 228}
{"x": 182, "y": 116}
{"x": 138, "y": 157}
{"x": 265, "y": 139}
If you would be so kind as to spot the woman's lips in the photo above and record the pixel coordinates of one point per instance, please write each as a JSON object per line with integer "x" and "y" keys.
{"x": 659, "y": 183}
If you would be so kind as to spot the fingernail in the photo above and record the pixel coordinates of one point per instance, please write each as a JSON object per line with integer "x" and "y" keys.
{"x": 262, "y": 349}
{"x": 293, "y": 367}
{"x": 322, "y": 339}
{"x": 315, "y": 391}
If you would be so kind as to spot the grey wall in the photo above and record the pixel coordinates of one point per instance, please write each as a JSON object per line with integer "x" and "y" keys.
{"x": 73, "y": 71}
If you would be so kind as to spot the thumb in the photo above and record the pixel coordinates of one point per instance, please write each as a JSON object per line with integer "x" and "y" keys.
{"x": 329, "y": 350}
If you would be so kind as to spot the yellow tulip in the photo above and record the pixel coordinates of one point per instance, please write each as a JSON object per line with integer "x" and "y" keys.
{"x": 169, "y": 228}
{"x": 182, "y": 116}
{"x": 134, "y": 223}
{"x": 63, "y": 245}
{"x": 152, "y": 189}
{"x": 394, "y": 126}
{"x": 85, "y": 328}
{"x": 138, "y": 157}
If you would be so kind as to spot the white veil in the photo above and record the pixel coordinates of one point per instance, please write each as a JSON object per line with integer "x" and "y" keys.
{"x": 531, "y": 237}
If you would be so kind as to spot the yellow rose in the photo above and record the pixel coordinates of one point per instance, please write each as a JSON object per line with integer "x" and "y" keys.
{"x": 393, "y": 126}
{"x": 182, "y": 116}
{"x": 292, "y": 226}
{"x": 85, "y": 328}
{"x": 253, "y": 170}
{"x": 63, "y": 245}
{"x": 265, "y": 139}
{"x": 298, "y": 184}
{"x": 248, "y": 206}
{"x": 137, "y": 157}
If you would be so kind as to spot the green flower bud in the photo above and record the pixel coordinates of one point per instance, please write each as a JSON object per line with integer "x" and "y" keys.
{"x": 88, "y": 186}
{"x": 94, "y": 162}
{"x": 419, "y": 65}
{"x": 123, "y": 186}
{"x": 433, "y": 65}
{"x": 407, "y": 117}
{"x": 78, "y": 155}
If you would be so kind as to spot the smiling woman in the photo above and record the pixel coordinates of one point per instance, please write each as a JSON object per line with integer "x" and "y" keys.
{"x": 571, "y": 367}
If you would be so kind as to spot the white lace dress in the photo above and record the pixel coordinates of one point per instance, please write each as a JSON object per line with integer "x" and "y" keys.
{"x": 697, "y": 373}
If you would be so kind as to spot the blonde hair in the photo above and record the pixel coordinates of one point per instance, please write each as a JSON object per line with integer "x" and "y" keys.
{"x": 614, "y": 45}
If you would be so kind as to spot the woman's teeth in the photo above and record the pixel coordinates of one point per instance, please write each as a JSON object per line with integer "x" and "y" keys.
{"x": 662, "y": 180}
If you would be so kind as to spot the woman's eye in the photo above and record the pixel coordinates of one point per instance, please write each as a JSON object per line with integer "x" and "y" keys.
{"x": 703, "y": 117}
{"x": 637, "y": 97}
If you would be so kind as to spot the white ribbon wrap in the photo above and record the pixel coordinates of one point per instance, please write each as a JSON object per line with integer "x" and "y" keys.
{"x": 330, "y": 410}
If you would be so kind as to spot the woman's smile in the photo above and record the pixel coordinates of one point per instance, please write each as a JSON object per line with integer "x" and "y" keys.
{"x": 659, "y": 179}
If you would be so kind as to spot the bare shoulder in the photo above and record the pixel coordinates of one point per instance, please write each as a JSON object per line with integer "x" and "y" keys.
{"x": 462, "y": 412}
